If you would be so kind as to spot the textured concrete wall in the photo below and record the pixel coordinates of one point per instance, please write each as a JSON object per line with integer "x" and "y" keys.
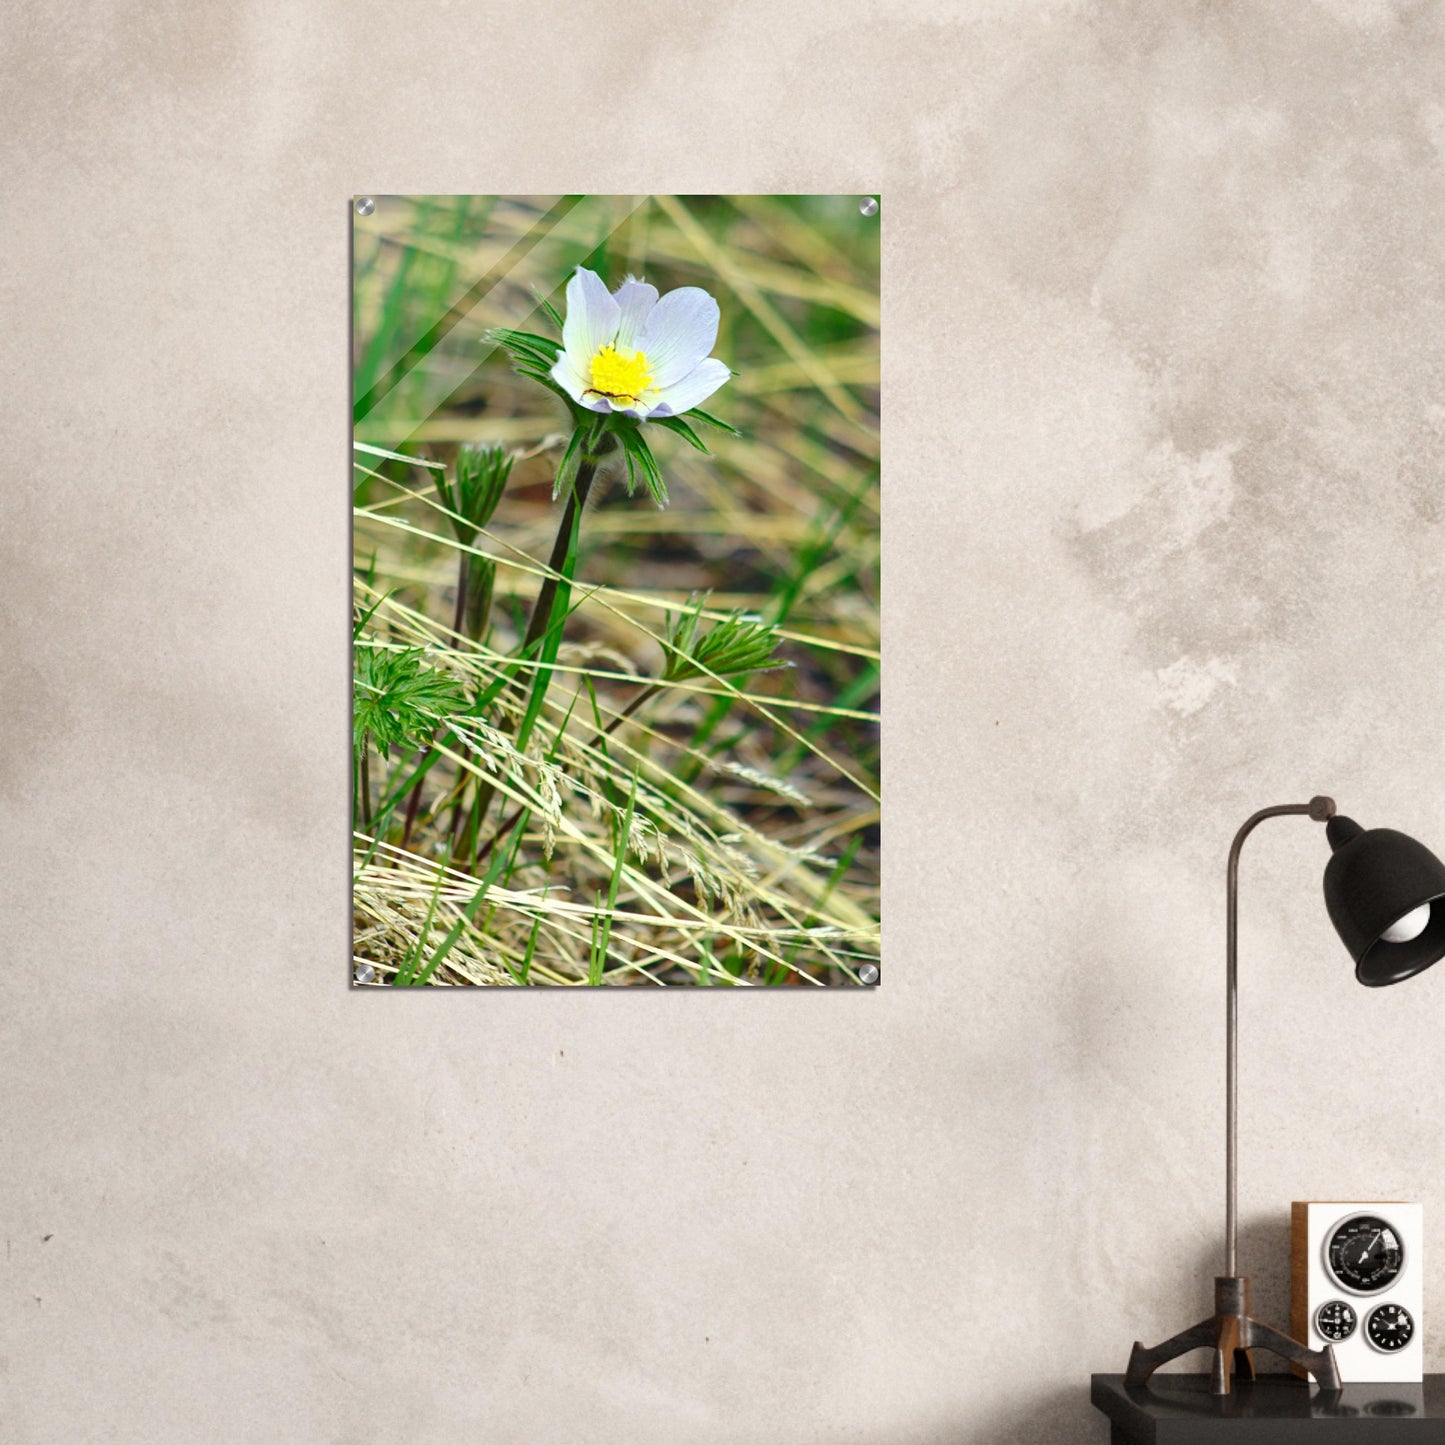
{"x": 1165, "y": 395}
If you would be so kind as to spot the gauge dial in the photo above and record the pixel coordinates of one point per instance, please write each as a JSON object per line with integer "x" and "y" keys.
{"x": 1364, "y": 1254}
{"x": 1336, "y": 1320}
{"x": 1389, "y": 1327}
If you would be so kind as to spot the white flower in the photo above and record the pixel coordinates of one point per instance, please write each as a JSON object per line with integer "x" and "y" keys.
{"x": 632, "y": 353}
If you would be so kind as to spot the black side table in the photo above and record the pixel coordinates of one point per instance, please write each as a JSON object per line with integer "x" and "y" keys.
{"x": 1273, "y": 1410}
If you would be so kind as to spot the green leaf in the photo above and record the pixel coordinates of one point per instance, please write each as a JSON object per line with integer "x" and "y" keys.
{"x": 676, "y": 424}
{"x": 602, "y": 925}
{"x": 370, "y": 612}
{"x": 736, "y": 645}
{"x": 481, "y": 584}
{"x": 551, "y": 638}
{"x": 711, "y": 420}
{"x": 548, "y": 344}
{"x": 407, "y": 969}
{"x": 527, "y": 343}
{"x": 526, "y": 972}
{"x": 399, "y": 699}
{"x": 639, "y": 452}
{"x": 569, "y": 466}
{"x": 468, "y": 913}
{"x": 482, "y": 474}
{"x": 655, "y": 483}
{"x": 631, "y": 467}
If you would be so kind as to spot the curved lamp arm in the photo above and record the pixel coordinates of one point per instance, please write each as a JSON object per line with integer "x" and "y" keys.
{"x": 1321, "y": 809}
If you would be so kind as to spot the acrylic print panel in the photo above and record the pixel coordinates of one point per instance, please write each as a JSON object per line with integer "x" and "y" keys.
{"x": 615, "y": 628}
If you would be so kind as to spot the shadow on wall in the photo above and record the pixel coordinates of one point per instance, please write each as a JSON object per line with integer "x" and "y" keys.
{"x": 1264, "y": 1258}
{"x": 1059, "y": 1416}
{"x": 1065, "y": 1416}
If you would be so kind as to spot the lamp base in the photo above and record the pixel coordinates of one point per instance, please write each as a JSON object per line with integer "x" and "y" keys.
{"x": 1232, "y": 1334}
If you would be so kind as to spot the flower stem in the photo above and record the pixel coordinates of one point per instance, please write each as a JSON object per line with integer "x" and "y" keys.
{"x": 459, "y": 621}
{"x": 542, "y": 609}
{"x": 412, "y": 804}
{"x": 541, "y": 619}
{"x": 475, "y": 601}
{"x": 365, "y": 786}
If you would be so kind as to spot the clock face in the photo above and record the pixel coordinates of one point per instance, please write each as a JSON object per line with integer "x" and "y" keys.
{"x": 1364, "y": 1254}
{"x": 1389, "y": 1327}
{"x": 1335, "y": 1321}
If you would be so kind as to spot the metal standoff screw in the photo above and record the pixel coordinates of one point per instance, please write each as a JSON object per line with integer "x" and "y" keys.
{"x": 365, "y": 973}
{"x": 868, "y": 973}
{"x": 868, "y": 206}
{"x": 365, "y": 206}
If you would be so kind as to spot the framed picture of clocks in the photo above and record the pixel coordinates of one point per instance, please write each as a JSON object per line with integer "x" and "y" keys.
{"x": 1356, "y": 1284}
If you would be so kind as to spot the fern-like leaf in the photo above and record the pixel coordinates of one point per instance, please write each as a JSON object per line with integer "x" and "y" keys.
{"x": 738, "y": 644}
{"x": 399, "y": 699}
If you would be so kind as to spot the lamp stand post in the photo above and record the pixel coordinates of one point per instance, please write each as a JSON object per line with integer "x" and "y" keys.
{"x": 1231, "y": 1332}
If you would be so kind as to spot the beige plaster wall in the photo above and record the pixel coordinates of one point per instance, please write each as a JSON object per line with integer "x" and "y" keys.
{"x": 1165, "y": 396}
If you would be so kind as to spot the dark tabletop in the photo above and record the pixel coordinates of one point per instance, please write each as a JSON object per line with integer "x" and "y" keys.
{"x": 1274, "y": 1410}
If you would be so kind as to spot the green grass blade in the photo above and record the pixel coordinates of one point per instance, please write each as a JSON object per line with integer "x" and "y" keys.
{"x": 468, "y": 913}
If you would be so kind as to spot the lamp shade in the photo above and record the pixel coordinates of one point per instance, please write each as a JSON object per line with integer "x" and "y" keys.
{"x": 1375, "y": 877}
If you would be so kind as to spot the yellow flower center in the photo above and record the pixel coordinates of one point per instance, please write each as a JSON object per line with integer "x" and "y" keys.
{"x": 618, "y": 377}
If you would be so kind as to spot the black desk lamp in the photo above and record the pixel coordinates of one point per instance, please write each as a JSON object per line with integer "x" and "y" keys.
{"x": 1386, "y": 897}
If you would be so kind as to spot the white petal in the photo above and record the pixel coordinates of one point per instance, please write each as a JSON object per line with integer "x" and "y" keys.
{"x": 569, "y": 377}
{"x": 692, "y": 390}
{"x": 566, "y": 374}
{"x": 636, "y": 300}
{"x": 679, "y": 332}
{"x": 592, "y": 317}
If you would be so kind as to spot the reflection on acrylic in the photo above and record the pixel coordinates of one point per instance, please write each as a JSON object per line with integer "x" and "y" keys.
{"x": 616, "y": 674}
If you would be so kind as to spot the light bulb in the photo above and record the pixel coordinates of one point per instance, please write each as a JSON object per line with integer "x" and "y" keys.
{"x": 1412, "y": 925}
